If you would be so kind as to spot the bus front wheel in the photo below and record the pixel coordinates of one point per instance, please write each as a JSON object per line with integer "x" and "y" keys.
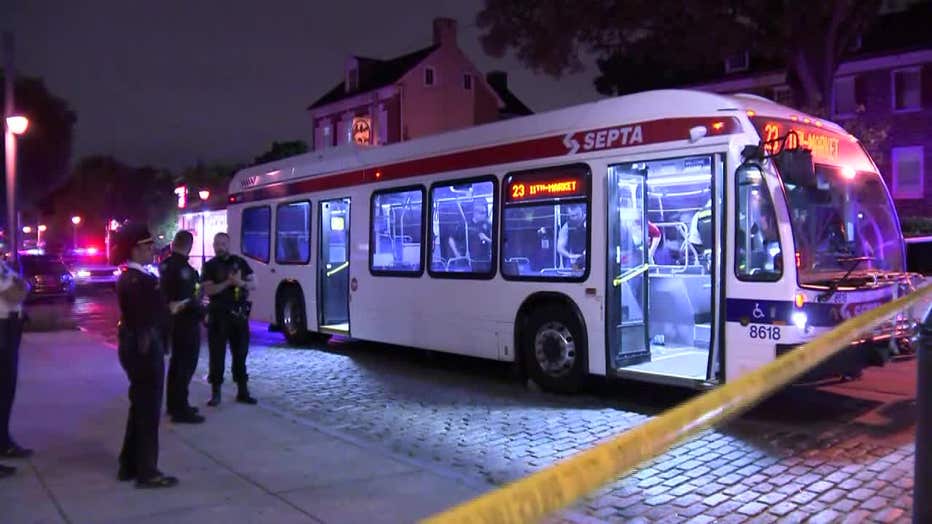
{"x": 554, "y": 349}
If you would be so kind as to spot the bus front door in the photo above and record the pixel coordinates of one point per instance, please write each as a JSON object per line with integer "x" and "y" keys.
{"x": 333, "y": 266}
{"x": 627, "y": 278}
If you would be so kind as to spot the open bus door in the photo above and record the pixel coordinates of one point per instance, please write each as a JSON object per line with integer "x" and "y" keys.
{"x": 333, "y": 266}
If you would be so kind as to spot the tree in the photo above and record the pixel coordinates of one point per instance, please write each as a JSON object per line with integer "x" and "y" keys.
{"x": 102, "y": 188}
{"x": 281, "y": 150}
{"x": 44, "y": 152}
{"x": 643, "y": 43}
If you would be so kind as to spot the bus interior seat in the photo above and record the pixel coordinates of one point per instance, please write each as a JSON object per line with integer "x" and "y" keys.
{"x": 383, "y": 260}
{"x": 669, "y": 305}
{"x": 411, "y": 254}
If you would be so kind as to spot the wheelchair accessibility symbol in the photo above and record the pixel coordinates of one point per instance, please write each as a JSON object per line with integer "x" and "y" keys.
{"x": 758, "y": 313}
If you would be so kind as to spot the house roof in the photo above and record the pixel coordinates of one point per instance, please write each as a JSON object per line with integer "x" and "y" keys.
{"x": 376, "y": 74}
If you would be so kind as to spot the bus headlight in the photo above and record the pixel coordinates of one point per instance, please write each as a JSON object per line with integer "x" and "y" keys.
{"x": 800, "y": 319}
{"x": 83, "y": 273}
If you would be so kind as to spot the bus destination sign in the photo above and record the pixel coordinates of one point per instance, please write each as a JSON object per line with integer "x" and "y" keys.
{"x": 544, "y": 186}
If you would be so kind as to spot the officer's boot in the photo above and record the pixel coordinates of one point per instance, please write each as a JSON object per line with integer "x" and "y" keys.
{"x": 214, "y": 395}
{"x": 243, "y": 395}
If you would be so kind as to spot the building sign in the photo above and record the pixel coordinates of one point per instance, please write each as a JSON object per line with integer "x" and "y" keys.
{"x": 362, "y": 130}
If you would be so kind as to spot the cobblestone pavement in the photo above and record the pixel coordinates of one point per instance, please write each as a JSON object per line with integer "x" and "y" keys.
{"x": 839, "y": 453}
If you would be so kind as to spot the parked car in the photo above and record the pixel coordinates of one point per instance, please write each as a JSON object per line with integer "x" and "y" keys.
{"x": 91, "y": 267}
{"x": 48, "y": 277}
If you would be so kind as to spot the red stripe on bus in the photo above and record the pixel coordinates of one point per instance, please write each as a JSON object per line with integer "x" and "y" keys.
{"x": 600, "y": 139}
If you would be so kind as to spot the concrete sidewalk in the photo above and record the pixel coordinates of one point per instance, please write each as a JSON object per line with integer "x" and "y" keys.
{"x": 245, "y": 464}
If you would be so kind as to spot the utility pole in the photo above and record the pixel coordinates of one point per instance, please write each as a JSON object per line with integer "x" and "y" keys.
{"x": 9, "y": 141}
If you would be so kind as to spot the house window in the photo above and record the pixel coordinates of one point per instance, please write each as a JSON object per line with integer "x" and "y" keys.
{"x": 845, "y": 102}
{"x": 428, "y": 76}
{"x": 906, "y": 89}
{"x": 908, "y": 179}
{"x": 467, "y": 82}
{"x": 737, "y": 62}
{"x": 782, "y": 95}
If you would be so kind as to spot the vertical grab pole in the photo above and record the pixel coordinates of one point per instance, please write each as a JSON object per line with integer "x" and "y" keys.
{"x": 922, "y": 489}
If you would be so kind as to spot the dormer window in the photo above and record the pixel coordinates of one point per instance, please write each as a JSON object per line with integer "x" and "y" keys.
{"x": 467, "y": 82}
{"x": 428, "y": 76}
{"x": 352, "y": 80}
{"x": 737, "y": 62}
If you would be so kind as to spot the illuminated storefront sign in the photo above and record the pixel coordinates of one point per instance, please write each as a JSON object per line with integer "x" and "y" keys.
{"x": 362, "y": 130}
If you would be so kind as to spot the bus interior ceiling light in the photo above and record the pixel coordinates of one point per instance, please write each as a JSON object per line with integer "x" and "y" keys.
{"x": 683, "y": 179}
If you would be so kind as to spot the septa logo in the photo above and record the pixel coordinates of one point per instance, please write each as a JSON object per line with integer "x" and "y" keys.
{"x": 250, "y": 181}
{"x": 607, "y": 138}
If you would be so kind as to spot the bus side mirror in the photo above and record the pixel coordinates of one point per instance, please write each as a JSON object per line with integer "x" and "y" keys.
{"x": 796, "y": 167}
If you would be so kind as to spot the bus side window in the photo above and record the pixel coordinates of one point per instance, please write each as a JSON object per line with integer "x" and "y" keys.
{"x": 758, "y": 255}
{"x": 463, "y": 228}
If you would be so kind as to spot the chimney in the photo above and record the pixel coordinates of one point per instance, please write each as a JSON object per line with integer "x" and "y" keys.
{"x": 444, "y": 31}
{"x": 498, "y": 80}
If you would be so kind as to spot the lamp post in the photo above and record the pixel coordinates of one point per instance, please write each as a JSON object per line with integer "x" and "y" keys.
{"x": 76, "y": 221}
{"x": 12, "y": 125}
{"x": 39, "y": 230}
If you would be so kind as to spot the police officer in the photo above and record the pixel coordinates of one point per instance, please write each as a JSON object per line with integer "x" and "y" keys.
{"x": 227, "y": 281}
{"x": 13, "y": 290}
{"x": 182, "y": 291}
{"x": 144, "y": 317}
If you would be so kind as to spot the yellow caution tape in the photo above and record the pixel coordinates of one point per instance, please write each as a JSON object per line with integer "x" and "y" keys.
{"x": 541, "y": 493}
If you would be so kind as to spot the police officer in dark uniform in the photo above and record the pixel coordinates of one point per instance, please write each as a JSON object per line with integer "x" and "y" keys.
{"x": 144, "y": 317}
{"x": 227, "y": 281}
{"x": 181, "y": 287}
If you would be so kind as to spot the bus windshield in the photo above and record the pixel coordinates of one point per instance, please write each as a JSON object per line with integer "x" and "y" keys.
{"x": 843, "y": 223}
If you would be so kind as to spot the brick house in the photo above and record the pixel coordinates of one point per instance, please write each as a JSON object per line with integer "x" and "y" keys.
{"x": 429, "y": 91}
{"x": 885, "y": 80}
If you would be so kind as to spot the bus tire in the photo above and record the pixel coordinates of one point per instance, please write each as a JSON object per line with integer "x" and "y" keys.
{"x": 554, "y": 349}
{"x": 293, "y": 319}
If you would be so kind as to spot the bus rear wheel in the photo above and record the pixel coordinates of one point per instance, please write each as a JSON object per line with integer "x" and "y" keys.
{"x": 293, "y": 318}
{"x": 554, "y": 350}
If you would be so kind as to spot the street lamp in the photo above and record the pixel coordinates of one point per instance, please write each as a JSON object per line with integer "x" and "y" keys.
{"x": 39, "y": 230}
{"x": 15, "y": 125}
{"x": 76, "y": 221}
{"x": 204, "y": 194}
{"x": 27, "y": 229}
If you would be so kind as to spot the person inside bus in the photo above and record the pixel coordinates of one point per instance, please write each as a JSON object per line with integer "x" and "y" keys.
{"x": 700, "y": 230}
{"x": 571, "y": 242}
{"x": 474, "y": 239}
{"x": 764, "y": 239}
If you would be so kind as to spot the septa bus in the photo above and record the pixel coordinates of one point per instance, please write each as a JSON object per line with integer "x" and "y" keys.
{"x": 670, "y": 236}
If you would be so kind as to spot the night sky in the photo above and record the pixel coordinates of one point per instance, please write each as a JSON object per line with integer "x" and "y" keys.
{"x": 170, "y": 83}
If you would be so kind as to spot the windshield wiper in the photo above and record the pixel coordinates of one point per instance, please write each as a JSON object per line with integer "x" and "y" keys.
{"x": 836, "y": 284}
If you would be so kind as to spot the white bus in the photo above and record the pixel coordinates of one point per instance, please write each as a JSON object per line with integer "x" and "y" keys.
{"x": 669, "y": 236}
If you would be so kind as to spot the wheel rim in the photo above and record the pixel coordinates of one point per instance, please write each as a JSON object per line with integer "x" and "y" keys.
{"x": 290, "y": 318}
{"x": 555, "y": 349}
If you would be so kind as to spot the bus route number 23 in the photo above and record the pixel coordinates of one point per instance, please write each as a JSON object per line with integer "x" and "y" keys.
{"x": 764, "y": 332}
